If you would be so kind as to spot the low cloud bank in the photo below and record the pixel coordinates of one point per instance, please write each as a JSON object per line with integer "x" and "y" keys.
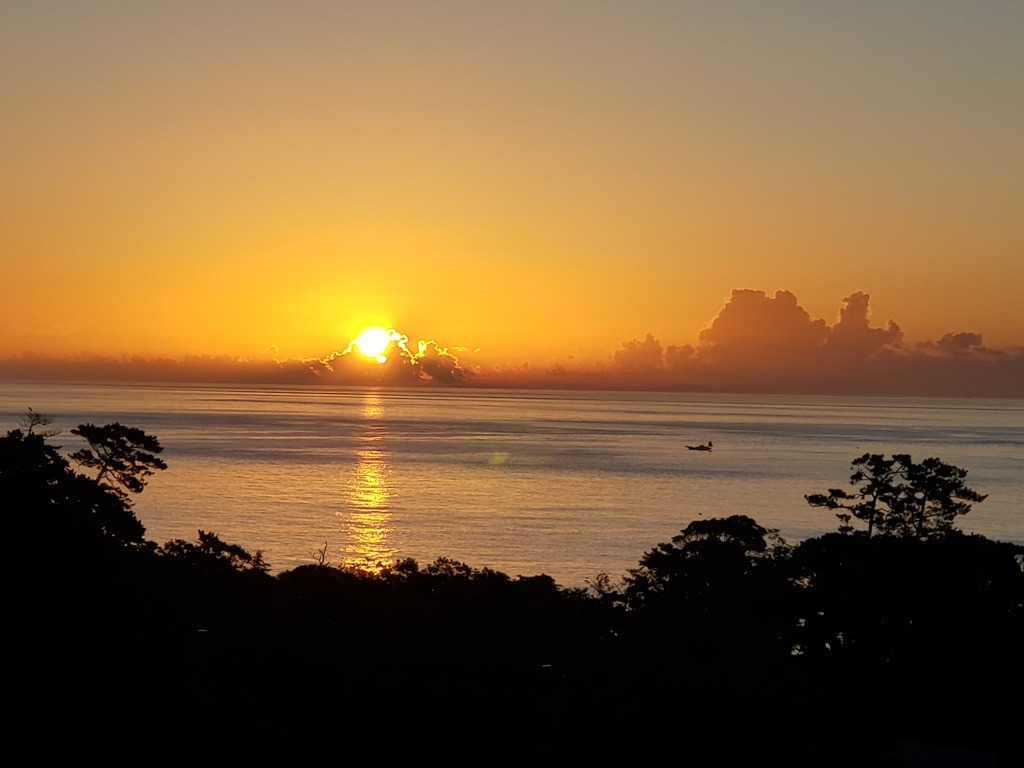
{"x": 756, "y": 343}
{"x": 761, "y": 343}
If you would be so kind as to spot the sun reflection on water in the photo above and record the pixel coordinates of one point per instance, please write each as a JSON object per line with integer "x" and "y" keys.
{"x": 367, "y": 514}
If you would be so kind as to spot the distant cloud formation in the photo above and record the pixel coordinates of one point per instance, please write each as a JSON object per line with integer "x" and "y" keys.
{"x": 761, "y": 343}
{"x": 640, "y": 356}
{"x": 756, "y": 343}
{"x": 853, "y": 334}
{"x": 959, "y": 343}
{"x": 755, "y": 331}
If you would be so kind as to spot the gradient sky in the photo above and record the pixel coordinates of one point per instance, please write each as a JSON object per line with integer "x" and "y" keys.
{"x": 538, "y": 180}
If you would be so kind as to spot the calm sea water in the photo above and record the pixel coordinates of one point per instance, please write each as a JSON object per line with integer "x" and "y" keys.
{"x": 565, "y": 483}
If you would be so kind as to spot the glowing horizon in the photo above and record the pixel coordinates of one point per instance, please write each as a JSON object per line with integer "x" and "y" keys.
{"x": 756, "y": 343}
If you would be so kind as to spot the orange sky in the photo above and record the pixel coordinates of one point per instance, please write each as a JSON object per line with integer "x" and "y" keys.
{"x": 544, "y": 181}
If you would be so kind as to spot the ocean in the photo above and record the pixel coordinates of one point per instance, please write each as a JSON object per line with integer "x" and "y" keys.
{"x": 570, "y": 484}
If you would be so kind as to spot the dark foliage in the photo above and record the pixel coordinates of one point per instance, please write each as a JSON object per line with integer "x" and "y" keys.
{"x": 55, "y": 509}
{"x": 726, "y": 642}
{"x": 213, "y": 553}
{"x": 715, "y": 588}
{"x": 708, "y": 560}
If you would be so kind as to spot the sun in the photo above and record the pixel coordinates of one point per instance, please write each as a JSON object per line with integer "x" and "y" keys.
{"x": 373, "y": 342}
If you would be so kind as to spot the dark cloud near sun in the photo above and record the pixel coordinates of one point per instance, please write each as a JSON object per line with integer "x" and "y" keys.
{"x": 438, "y": 364}
{"x": 401, "y": 363}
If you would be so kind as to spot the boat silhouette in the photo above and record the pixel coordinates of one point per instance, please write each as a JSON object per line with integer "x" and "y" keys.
{"x": 701, "y": 447}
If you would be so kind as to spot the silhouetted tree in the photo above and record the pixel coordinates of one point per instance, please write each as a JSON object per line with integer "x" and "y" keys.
{"x": 214, "y": 551}
{"x": 705, "y": 559}
{"x": 888, "y": 597}
{"x": 717, "y": 589}
{"x": 897, "y": 497}
{"x": 32, "y": 420}
{"x": 123, "y": 457}
{"x": 54, "y": 506}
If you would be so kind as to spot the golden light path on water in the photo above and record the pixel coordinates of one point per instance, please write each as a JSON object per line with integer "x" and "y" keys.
{"x": 367, "y": 513}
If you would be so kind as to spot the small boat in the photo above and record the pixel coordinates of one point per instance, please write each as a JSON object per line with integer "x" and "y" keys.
{"x": 701, "y": 447}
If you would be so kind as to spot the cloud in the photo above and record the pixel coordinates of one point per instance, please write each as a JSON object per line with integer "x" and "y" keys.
{"x": 438, "y": 364}
{"x": 958, "y": 343}
{"x": 402, "y": 363}
{"x": 636, "y": 356}
{"x": 761, "y": 343}
{"x": 647, "y": 358}
{"x": 853, "y": 334}
{"x": 754, "y": 330}
{"x": 677, "y": 357}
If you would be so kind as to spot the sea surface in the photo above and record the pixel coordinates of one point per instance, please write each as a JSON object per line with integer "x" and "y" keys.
{"x": 571, "y": 484}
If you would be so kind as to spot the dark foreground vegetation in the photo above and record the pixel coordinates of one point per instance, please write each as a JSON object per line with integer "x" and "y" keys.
{"x": 896, "y": 638}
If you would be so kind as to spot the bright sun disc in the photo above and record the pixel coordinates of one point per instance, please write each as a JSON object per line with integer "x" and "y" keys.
{"x": 373, "y": 342}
